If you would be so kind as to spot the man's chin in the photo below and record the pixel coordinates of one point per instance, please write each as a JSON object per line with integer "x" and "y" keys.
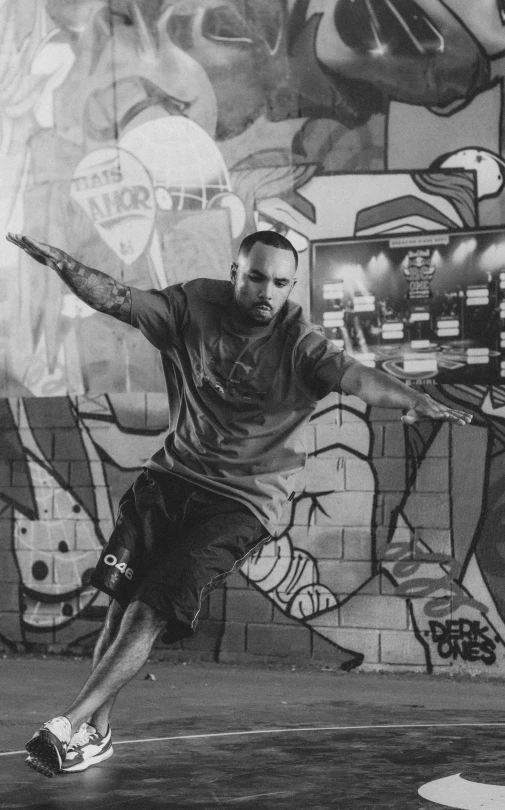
{"x": 261, "y": 316}
{"x": 254, "y": 316}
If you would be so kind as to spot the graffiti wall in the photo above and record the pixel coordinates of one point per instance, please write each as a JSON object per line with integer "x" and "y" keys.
{"x": 146, "y": 138}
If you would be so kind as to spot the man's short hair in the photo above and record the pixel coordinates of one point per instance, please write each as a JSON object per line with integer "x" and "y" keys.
{"x": 270, "y": 238}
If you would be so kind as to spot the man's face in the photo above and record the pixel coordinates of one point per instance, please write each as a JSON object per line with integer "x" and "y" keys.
{"x": 262, "y": 282}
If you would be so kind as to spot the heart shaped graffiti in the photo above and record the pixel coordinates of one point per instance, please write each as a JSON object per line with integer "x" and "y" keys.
{"x": 115, "y": 191}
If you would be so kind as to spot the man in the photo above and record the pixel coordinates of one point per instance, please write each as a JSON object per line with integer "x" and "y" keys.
{"x": 244, "y": 372}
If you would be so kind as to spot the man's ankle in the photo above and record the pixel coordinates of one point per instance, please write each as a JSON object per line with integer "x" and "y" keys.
{"x": 101, "y": 727}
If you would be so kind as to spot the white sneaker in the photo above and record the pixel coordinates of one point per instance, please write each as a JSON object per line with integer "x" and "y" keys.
{"x": 48, "y": 746}
{"x": 87, "y": 747}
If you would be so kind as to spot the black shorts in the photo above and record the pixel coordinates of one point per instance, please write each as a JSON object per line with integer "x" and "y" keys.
{"x": 173, "y": 543}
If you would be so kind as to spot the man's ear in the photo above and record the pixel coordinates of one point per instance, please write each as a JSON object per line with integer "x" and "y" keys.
{"x": 233, "y": 273}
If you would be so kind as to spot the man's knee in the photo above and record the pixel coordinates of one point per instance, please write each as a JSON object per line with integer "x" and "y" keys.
{"x": 140, "y": 613}
{"x": 114, "y": 616}
{"x": 110, "y": 627}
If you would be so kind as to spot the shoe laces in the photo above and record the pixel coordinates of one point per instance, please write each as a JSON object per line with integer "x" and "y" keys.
{"x": 82, "y": 736}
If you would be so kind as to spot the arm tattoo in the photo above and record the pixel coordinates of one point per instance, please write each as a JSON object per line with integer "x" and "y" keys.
{"x": 98, "y": 290}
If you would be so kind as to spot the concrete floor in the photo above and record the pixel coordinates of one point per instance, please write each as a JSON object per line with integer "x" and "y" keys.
{"x": 347, "y": 763}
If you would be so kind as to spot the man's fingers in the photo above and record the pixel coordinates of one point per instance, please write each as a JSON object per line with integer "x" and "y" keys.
{"x": 439, "y": 414}
{"x": 39, "y": 251}
{"x": 466, "y": 417}
{"x": 36, "y": 247}
{"x": 451, "y": 415}
{"x": 16, "y": 239}
{"x": 27, "y": 243}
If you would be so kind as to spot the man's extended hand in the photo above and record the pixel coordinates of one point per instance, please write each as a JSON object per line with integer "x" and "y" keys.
{"x": 42, "y": 253}
{"x": 428, "y": 408}
{"x": 98, "y": 290}
{"x": 382, "y": 390}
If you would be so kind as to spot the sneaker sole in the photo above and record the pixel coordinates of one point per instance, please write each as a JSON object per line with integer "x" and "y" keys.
{"x": 82, "y": 766}
{"x": 44, "y": 757}
{"x": 38, "y": 766}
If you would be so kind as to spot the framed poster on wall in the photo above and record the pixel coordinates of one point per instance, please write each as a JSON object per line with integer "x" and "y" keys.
{"x": 419, "y": 306}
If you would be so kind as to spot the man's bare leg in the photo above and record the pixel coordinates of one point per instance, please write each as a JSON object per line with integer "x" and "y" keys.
{"x": 108, "y": 634}
{"x": 120, "y": 663}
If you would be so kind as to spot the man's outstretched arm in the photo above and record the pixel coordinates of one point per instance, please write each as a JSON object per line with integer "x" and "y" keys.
{"x": 97, "y": 289}
{"x": 378, "y": 388}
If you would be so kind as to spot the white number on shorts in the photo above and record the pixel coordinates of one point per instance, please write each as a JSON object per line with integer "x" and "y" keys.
{"x": 110, "y": 559}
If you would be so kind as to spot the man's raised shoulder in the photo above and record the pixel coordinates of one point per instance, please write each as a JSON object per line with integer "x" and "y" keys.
{"x": 210, "y": 290}
{"x": 295, "y": 316}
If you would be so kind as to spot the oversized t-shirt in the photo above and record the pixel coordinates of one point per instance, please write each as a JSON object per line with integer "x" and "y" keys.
{"x": 238, "y": 397}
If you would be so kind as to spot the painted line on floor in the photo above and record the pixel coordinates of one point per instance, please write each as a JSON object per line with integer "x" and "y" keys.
{"x": 453, "y": 791}
{"x": 291, "y": 730}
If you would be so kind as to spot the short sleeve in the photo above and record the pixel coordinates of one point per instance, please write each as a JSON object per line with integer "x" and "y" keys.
{"x": 158, "y": 314}
{"x": 321, "y": 365}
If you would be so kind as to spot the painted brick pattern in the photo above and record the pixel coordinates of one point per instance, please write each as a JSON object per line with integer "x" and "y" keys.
{"x": 324, "y": 543}
{"x": 278, "y": 641}
{"x": 394, "y": 440}
{"x": 357, "y": 543}
{"x": 386, "y": 612}
{"x": 344, "y": 577}
{"x": 436, "y": 541}
{"x": 358, "y": 640}
{"x": 433, "y": 475}
{"x": 391, "y": 472}
{"x": 401, "y": 649}
{"x": 334, "y": 441}
{"x": 327, "y": 558}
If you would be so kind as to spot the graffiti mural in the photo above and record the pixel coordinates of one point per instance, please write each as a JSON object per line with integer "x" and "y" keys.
{"x": 353, "y": 556}
{"x": 463, "y": 639}
{"x": 147, "y": 137}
